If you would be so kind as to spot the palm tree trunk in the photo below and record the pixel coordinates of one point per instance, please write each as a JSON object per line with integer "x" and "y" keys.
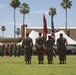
{"x": 14, "y": 23}
{"x": 17, "y": 36}
{"x": 51, "y": 20}
{"x": 23, "y": 19}
{"x": 3, "y": 34}
{"x": 66, "y": 20}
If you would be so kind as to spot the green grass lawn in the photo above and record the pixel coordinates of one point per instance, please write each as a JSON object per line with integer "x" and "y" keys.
{"x": 17, "y": 66}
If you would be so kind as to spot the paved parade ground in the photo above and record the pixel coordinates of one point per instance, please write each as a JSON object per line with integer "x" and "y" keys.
{"x": 17, "y": 66}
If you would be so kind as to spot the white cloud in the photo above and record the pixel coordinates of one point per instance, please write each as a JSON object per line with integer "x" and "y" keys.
{"x": 2, "y": 5}
{"x": 39, "y": 12}
{"x": 9, "y": 23}
{"x": 18, "y": 24}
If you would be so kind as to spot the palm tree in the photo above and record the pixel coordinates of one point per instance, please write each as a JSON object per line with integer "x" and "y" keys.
{"x": 52, "y": 12}
{"x": 3, "y": 28}
{"x": 66, "y": 4}
{"x": 24, "y": 9}
{"x": 14, "y": 4}
{"x": 18, "y": 32}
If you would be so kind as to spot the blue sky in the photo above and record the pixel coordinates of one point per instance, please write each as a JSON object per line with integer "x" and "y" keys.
{"x": 35, "y": 16}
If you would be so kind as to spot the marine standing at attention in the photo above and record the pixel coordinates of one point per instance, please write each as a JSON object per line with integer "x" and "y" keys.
{"x": 61, "y": 45}
{"x": 49, "y": 49}
{"x": 27, "y": 44}
{"x": 39, "y": 48}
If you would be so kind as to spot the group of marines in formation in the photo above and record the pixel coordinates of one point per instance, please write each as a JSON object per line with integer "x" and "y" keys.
{"x": 11, "y": 49}
{"x": 40, "y": 44}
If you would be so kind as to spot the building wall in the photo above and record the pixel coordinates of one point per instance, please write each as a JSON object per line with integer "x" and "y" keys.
{"x": 73, "y": 33}
{"x": 23, "y": 31}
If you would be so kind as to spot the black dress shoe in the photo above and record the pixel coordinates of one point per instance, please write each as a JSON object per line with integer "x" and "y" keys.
{"x": 51, "y": 63}
{"x": 42, "y": 63}
{"x": 38, "y": 63}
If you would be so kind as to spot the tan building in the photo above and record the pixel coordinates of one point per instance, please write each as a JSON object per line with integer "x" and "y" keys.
{"x": 71, "y": 31}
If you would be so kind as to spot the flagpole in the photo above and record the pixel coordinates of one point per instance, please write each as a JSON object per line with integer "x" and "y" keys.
{"x": 53, "y": 34}
{"x": 44, "y": 31}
